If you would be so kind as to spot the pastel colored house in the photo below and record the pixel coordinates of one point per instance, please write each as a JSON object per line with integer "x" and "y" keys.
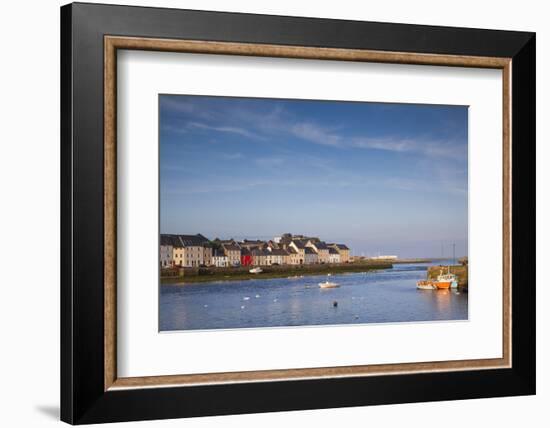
{"x": 207, "y": 255}
{"x": 321, "y": 248}
{"x": 343, "y": 250}
{"x": 333, "y": 255}
{"x": 167, "y": 250}
{"x": 261, "y": 257}
{"x": 246, "y": 257}
{"x": 278, "y": 256}
{"x": 233, "y": 253}
{"x": 293, "y": 257}
{"x": 300, "y": 247}
{"x": 193, "y": 249}
{"x": 310, "y": 256}
{"x": 219, "y": 259}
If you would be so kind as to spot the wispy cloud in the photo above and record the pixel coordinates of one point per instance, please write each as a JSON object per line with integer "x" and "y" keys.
{"x": 174, "y": 129}
{"x": 185, "y": 106}
{"x": 422, "y": 146}
{"x": 227, "y": 129}
{"x": 316, "y": 134}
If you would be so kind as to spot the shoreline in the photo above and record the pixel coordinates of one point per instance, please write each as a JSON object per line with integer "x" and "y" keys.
{"x": 270, "y": 272}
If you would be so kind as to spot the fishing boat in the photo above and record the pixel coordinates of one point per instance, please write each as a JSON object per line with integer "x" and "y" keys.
{"x": 425, "y": 285}
{"x": 256, "y": 270}
{"x": 446, "y": 281}
{"x": 328, "y": 284}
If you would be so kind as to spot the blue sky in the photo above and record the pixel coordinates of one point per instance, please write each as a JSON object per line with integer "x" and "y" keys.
{"x": 388, "y": 178}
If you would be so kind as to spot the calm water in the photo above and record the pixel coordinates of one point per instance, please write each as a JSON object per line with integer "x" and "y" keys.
{"x": 375, "y": 297}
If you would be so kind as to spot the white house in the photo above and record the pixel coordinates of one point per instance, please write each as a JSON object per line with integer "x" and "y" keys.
{"x": 219, "y": 259}
{"x": 166, "y": 251}
{"x": 311, "y": 256}
{"x": 333, "y": 255}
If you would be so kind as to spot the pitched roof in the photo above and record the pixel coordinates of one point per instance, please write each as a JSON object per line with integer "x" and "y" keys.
{"x": 310, "y": 250}
{"x": 320, "y": 245}
{"x": 258, "y": 252}
{"x": 333, "y": 251}
{"x": 299, "y": 243}
{"x": 341, "y": 246}
{"x": 231, "y": 247}
{"x": 172, "y": 240}
{"x": 278, "y": 252}
{"x": 197, "y": 240}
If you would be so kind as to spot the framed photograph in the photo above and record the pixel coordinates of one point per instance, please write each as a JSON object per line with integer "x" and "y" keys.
{"x": 266, "y": 213}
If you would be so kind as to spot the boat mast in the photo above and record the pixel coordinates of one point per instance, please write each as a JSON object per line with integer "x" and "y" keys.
{"x": 454, "y": 253}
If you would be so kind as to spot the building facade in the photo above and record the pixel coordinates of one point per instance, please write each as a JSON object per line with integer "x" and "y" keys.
{"x": 300, "y": 248}
{"x": 167, "y": 251}
{"x": 233, "y": 253}
{"x": 278, "y": 256}
{"x": 261, "y": 257}
{"x": 321, "y": 248}
{"x": 310, "y": 256}
{"x": 219, "y": 259}
{"x": 197, "y": 250}
{"x": 246, "y": 257}
{"x": 333, "y": 256}
{"x": 293, "y": 256}
{"x": 343, "y": 250}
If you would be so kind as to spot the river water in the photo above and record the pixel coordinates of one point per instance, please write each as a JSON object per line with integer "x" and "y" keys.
{"x": 384, "y": 296}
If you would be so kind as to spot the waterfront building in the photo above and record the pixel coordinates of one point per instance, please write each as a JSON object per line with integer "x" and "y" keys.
{"x": 252, "y": 245}
{"x": 219, "y": 259}
{"x": 300, "y": 247}
{"x": 343, "y": 250}
{"x": 177, "y": 251}
{"x": 278, "y": 256}
{"x": 333, "y": 255}
{"x": 310, "y": 256}
{"x": 167, "y": 250}
{"x": 321, "y": 248}
{"x": 261, "y": 257}
{"x": 293, "y": 257}
{"x": 197, "y": 250}
{"x": 207, "y": 254}
{"x": 272, "y": 244}
{"x": 246, "y": 257}
{"x": 193, "y": 249}
{"x": 233, "y": 253}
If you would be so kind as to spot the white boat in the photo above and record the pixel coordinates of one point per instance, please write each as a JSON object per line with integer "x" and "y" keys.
{"x": 256, "y": 270}
{"x": 425, "y": 285}
{"x": 328, "y": 284}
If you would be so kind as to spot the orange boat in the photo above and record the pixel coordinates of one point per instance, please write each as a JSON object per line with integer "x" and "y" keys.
{"x": 442, "y": 285}
{"x": 445, "y": 281}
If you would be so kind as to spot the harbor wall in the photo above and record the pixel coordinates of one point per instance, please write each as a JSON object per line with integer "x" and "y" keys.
{"x": 201, "y": 274}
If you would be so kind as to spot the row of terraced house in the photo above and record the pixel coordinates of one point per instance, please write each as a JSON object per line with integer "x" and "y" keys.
{"x": 288, "y": 249}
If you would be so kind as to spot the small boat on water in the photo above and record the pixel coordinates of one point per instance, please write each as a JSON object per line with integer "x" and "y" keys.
{"x": 256, "y": 270}
{"x": 425, "y": 285}
{"x": 446, "y": 281}
{"x": 328, "y": 284}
